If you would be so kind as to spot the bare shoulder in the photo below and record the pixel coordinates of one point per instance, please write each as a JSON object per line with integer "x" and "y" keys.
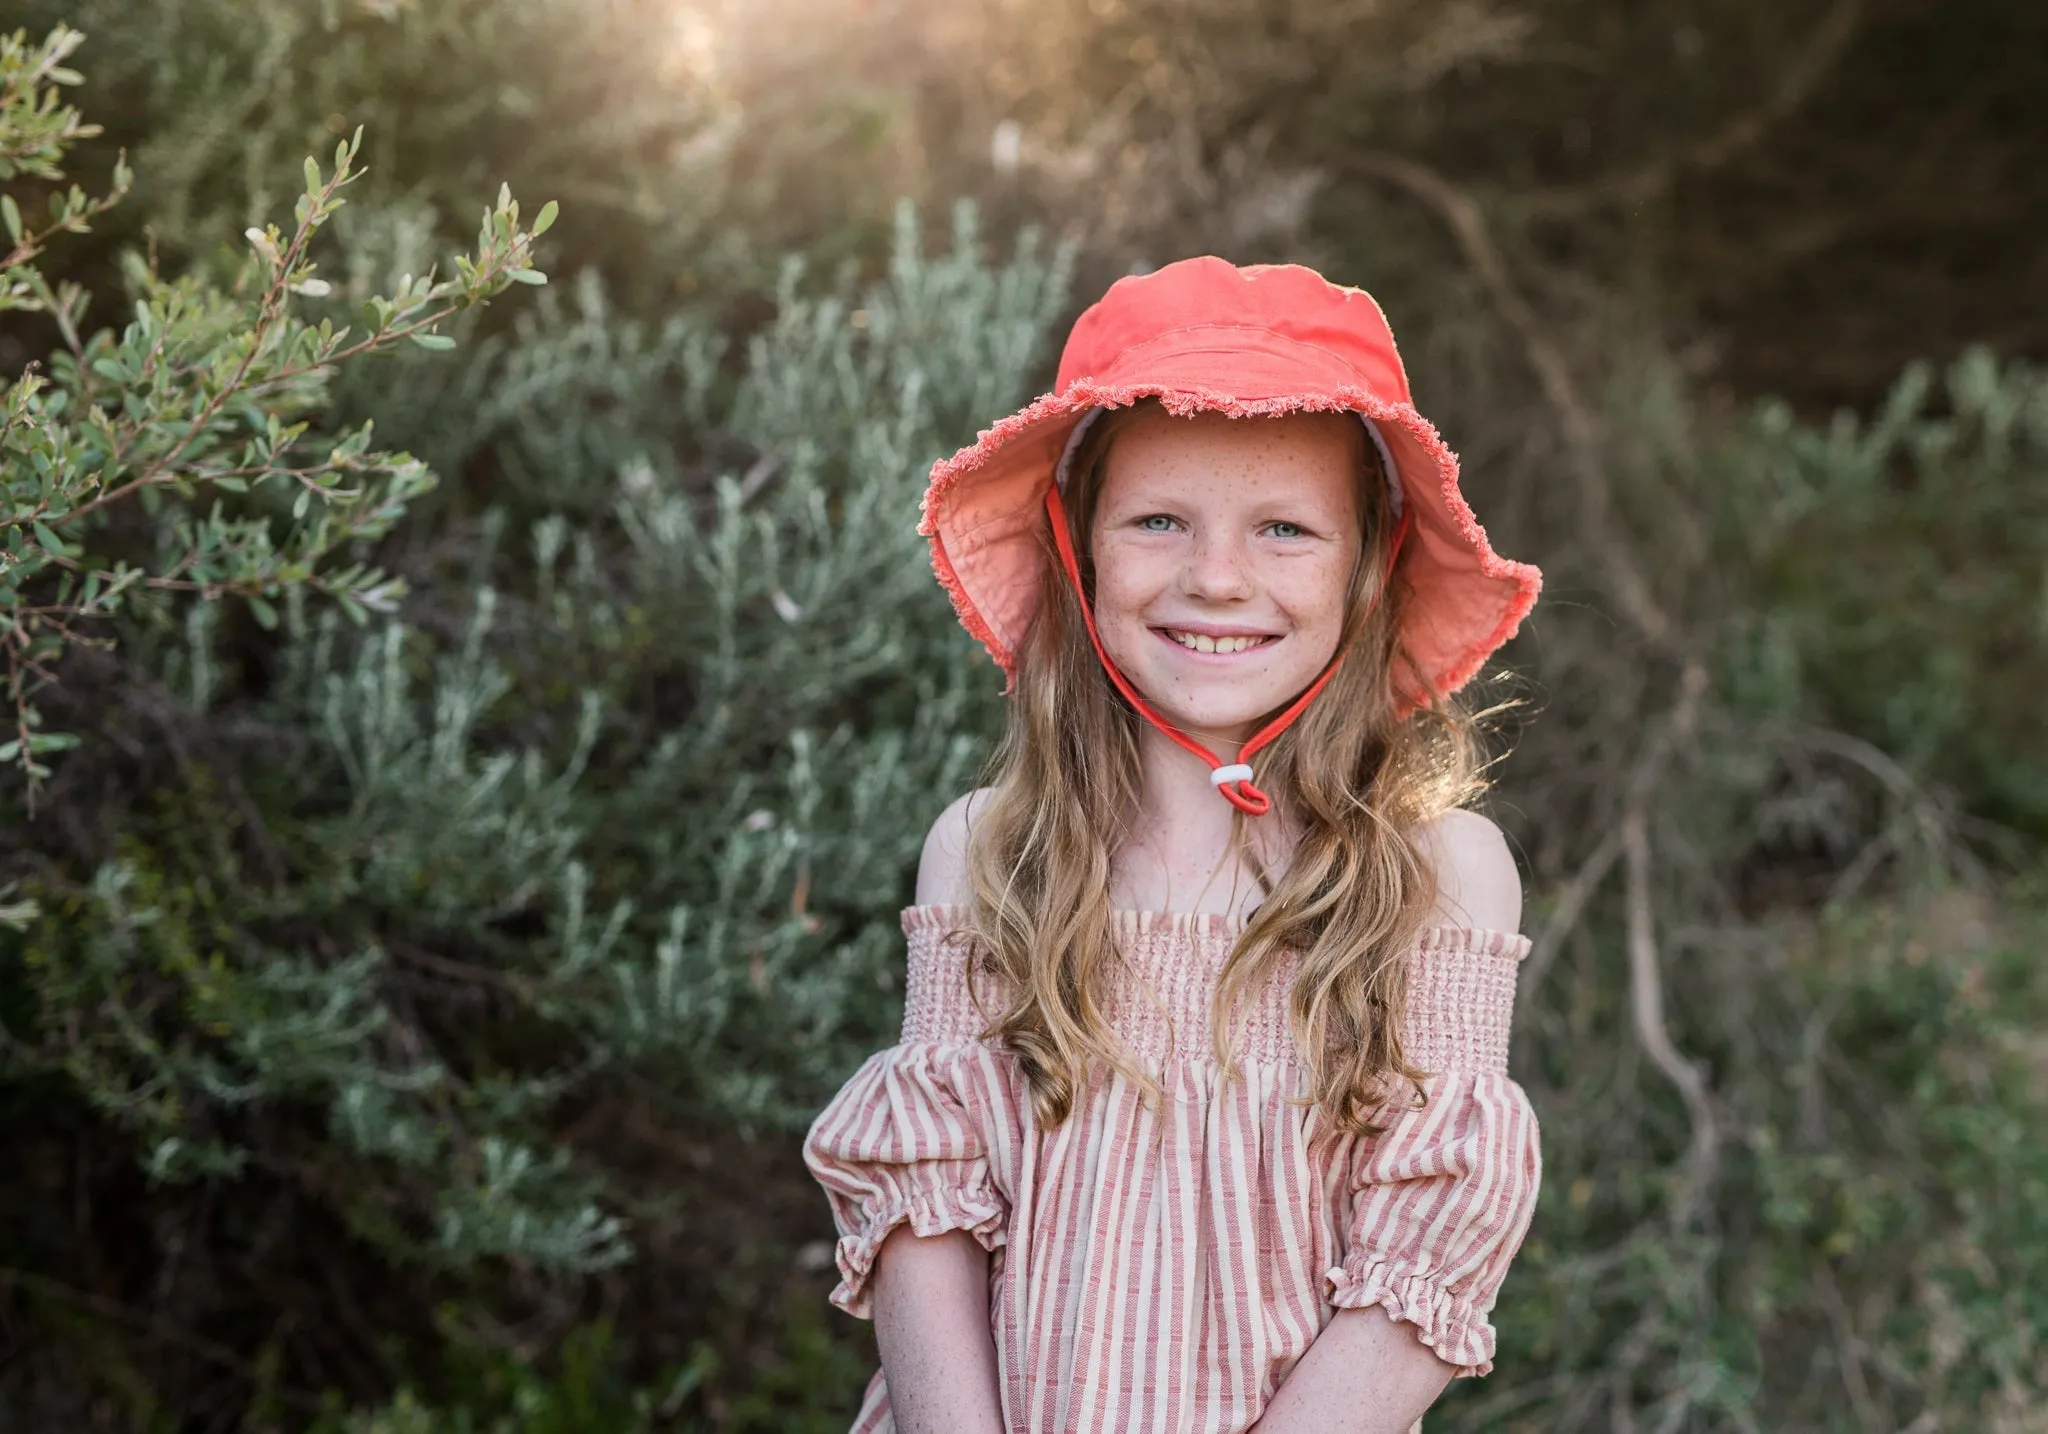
{"x": 942, "y": 870}
{"x": 1477, "y": 881}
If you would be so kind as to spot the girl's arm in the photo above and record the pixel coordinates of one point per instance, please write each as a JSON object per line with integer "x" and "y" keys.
{"x": 1365, "y": 1374}
{"x": 931, "y": 1294}
{"x": 932, "y": 1323}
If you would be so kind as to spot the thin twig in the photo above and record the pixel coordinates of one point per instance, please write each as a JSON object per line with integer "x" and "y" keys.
{"x": 1571, "y": 905}
{"x": 1742, "y": 132}
{"x": 758, "y": 475}
{"x": 457, "y": 970}
{"x": 1850, "y": 1346}
{"x": 1925, "y": 812}
{"x": 162, "y": 1329}
{"x": 237, "y": 386}
{"x": 1646, "y": 1004}
{"x": 1467, "y": 223}
{"x": 1643, "y": 781}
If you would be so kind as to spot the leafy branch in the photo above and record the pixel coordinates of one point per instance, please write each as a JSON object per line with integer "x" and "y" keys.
{"x": 198, "y": 416}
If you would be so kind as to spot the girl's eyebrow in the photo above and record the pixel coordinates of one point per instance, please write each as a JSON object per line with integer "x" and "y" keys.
{"x": 1146, "y": 503}
{"x": 1288, "y": 504}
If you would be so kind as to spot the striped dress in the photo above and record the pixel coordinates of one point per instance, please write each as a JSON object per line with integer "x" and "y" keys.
{"x": 1161, "y": 1269}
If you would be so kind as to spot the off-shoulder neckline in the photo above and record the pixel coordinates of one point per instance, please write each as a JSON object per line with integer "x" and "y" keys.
{"x": 1128, "y": 920}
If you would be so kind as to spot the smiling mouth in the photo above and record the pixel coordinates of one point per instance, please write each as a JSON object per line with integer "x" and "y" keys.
{"x": 1218, "y": 646}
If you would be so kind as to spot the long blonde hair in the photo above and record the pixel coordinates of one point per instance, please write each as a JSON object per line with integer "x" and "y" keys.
{"x": 1356, "y": 780}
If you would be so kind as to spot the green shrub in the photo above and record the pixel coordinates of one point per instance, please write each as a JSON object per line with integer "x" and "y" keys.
{"x": 1842, "y": 902}
{"x": 1873, "y": 1250}
{"x": 1900, "y": 570}
{"x": 620, "y": 821}
{"x": 196, "y": 414}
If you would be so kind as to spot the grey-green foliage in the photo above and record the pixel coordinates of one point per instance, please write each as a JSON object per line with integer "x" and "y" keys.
{"x": 1847, "y": 947}
{"x": 572, "y": 388}
{"x": 641, "y": 819}
{"x": 1905, "y": 565}
{"x": 1874, "y": 1245}
{"x": 198, "y": 412}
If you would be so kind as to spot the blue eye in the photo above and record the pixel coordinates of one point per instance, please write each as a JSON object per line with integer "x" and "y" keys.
{"x": 1148, "y": 524}
{"x": 1294, "y": 529}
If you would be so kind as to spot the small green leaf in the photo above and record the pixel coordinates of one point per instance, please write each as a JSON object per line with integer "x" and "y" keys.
{"x": 544, "y": 221}
{"x": 312, "y": 175}
{"x": 11, "y": 213}
{"x": 265, "y": 613}
{"x": 526, "y": 276}
{"x": 50, "y": 541}
{"x": 439, "y": 343}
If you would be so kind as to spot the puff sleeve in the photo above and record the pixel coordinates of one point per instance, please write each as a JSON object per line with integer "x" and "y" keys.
{"x": 1442, "y": 1198}
{"x": 908, "y": 1138}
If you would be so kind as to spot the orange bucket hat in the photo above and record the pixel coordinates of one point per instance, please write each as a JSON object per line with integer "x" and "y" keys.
{"x": 1204, "y": 335}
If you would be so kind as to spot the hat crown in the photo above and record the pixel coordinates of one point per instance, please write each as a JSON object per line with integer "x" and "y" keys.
{"x": 1210, "y": 306}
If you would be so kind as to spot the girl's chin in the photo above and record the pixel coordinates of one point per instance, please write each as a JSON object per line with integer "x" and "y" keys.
{"x": 1226, "y": 707}
{"x": 1211, "y": 694}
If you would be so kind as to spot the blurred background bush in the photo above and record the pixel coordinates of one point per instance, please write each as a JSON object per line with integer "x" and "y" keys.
{"x": 410, "y": 1021}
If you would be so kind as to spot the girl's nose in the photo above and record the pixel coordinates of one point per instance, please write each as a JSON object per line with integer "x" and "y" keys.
{"x": 1217, "y": 569}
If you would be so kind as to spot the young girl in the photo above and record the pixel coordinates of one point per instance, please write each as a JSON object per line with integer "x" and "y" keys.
{"x": 1200, "y": 1121}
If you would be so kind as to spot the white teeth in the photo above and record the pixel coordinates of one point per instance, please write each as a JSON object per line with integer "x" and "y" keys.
{"x": 1201, "y": 642}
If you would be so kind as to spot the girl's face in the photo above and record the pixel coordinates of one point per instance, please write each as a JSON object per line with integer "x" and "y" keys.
{"x": 1223, "y": 552}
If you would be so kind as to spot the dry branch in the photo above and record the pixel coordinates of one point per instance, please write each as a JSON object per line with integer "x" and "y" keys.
{"x": 1646, "y": 982}
{"x": 1738, "y": 135}
{"x": 1467, "y": 223}
{"x": 1564, "y": 916}
{"x": 166, "y": 1330}
{"x": 1646, "y": 1004}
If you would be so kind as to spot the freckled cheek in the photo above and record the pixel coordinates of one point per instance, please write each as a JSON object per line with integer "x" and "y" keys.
{"x": 1314, "y": 600}
{"x": 1126, "y": 584}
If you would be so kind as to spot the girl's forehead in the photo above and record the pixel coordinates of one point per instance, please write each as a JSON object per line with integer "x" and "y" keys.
{"x": 1313, "y": 454}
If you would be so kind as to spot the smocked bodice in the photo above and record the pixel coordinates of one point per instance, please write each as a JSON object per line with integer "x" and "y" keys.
{"x": 1461, "y": 991}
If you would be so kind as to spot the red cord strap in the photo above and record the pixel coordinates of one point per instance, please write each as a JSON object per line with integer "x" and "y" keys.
{"x": 1238, "y": 791}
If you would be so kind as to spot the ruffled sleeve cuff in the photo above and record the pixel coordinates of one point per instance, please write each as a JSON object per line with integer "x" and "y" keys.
{"x": 974, "y": 1208}
{"x": 1456, "y": 1331}
{"x": 1443, "y": 1198}
{"x": 907, "y": 1141}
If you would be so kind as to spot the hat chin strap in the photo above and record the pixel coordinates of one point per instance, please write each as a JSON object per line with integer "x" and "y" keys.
{"x": 1235, "y": 780}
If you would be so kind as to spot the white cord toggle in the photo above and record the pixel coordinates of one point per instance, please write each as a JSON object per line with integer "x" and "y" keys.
{"x": 1238, "y": 773}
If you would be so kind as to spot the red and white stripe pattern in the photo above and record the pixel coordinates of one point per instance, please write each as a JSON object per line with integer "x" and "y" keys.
{"x": 1160, "y": 1270}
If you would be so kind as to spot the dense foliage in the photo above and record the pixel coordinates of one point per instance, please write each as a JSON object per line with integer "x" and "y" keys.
{"x": 194, "y": 415}
{"x": 409, "y": 1022}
